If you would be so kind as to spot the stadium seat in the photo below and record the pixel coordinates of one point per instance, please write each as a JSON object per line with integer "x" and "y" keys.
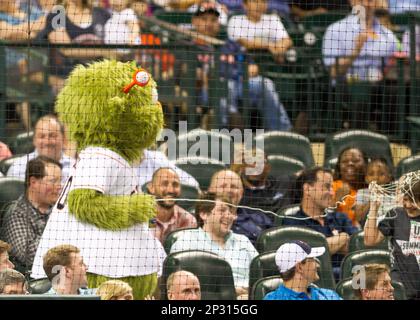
{"x": 175, "y": 17}
{"x": 23, "y": 143}
{"x": 287, "y": 144}
{"x": 6, "y": 163}
{"x": 363, "y": 257}
{"x": 345, "y": 290}
{"x": 322, "y": 21}
{"x": 219, "y": 146}
{"x": 263, "y": 286}
{"x": 286, "y": 211}
{"x": 357, "y": 243}
{"x": 371, "y": 143}
{"x": 408, "y": 164}
{"x": 171, "y": 238}
{"x": 10, "y": 189}
{"x": 39, "y": 286}
{"x": 281, "y": 165}
{"x": 272, "y": 239}
{"x": 202, "y": 169}
{"x": 214, "y": 273}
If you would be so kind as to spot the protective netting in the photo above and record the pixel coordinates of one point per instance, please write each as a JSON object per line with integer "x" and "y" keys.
{"x": 283, "y": 135}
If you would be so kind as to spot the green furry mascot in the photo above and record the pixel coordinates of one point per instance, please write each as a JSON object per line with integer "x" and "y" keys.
{"x": 112, "y": 112}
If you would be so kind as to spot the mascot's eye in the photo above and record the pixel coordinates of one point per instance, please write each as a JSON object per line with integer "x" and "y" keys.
{"x": 140, "y": 78}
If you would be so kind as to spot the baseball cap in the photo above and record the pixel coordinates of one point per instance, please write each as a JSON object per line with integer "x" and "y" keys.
{"x": 293, "y": 252}
{"x": 207, "y": 7}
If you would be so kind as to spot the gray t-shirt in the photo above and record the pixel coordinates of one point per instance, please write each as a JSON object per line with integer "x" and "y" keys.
{"x": 405, "y": 242}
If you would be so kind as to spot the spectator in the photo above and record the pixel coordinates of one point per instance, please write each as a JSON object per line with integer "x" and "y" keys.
{"x": 12, "y": 282}
{"x": 317, "y": 197}
{"x": 378, "y": 171}
{"x": 84, "y": 25}
{"x": 115, "y": 290}
{"x": 358, "y": 51}
{"x": 153, "y": 160}
{"x": 298, "y": 269}
{"x": 249, "y": 222}
{"x": 165, "y": 186}
{"x": 377, "y": 285}
{"x": 215, "y": 217}
{"x": 302, "y": 8}
{"x": 27, "y": 217}
{"x": 349, "y": 176}
{"x": 401, "y": 225}
{"x": 183, "y": 285}
{"x": 123, "y": 26}
{"x": 48, "y": 142}
{"x": 66, "y": 270}
{"x": 5, "y": 263}
{"x": 4, "y": 151}
{"x": 257, "y": 30}
{"x": 261, "y": 190}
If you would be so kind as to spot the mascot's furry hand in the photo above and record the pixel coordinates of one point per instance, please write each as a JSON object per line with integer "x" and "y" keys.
{"x": 111, "y": 212}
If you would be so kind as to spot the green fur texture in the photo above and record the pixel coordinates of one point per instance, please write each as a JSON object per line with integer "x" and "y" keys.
{"x": 142, "y": 286}
{"x": 98, "y": 113}
{"x": 111, "y": 212}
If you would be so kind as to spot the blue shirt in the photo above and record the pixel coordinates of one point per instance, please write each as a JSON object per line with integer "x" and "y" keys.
{"x": 400, "y": 6}
{"x": 340, "y": 41}
{"x": 283, "y": 293}
{"x": 334, "y": 223}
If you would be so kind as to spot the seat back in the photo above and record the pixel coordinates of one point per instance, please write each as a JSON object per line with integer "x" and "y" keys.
{"x": 359, "y": 258}
{"x": 281, "y": 165}
{"x": 23, "y": 143}
{"x": 5, "y": 164}
{"x": 287, "y": 144}
{"x": 272, "y": 239}
{"x": 173, "y": 237}
{"x": 357, "y": 243}
{"x": 202, "y": 169}
{"x": 345, "y": 290}
{"x": 10, "y": 190}
{"x": 408, "y": 164}
{"x": 263, "y": 286}
{"x": 371, "y": 143}
{"x": 213, "y": 272}
{"x": 39, "y": 286}
{"x": 289, "y": 210}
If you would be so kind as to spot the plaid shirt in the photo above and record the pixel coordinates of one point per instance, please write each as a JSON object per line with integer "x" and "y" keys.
{"x": 23, "y": 226}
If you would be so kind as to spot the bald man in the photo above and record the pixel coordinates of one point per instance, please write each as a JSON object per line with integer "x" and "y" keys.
{"x": 183, "y": 285}
{"x": 249, "y": 222}
{"x": 166, "y": 187}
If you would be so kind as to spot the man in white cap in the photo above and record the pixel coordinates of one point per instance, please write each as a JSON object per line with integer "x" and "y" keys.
{"x": 298, "y": 269}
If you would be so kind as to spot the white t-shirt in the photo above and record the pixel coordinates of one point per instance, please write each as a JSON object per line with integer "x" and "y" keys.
{"x": 116, "y": 28}
{"x": 268, "y": 28}
{"x": 129, "y": 252}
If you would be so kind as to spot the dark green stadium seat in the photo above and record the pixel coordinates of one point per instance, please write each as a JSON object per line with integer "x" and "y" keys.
{"x": 345, "y": 290}
{"x": 288, "y": 144}
{"x": 175, "y": 17}
{"x": 371, "y": 143}
{"x": 202, "y": 169}
{"x": 10, "y": 189}
{"x": 281, "y": 165}
{"x": 322, "y": 21}
{"x": 363, "y": 257}
{"x": 220, "y": 146}
{"x": 23, "y": 143}
{"x": 264, "y": 286}
{"x": 272, "y": 239}
{"x": 171, "y": 238}
{"x": 39, "y": 286}
{"x": 6, "y": 163}
{"x": 357, "y": 243}
{"x": 214, "y": 273}
{"x": 289, "y": 210}
{"x": 408, "y": 164}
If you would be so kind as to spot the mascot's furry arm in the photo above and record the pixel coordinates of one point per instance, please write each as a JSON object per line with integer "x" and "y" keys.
{"x": 111, "y": 212}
